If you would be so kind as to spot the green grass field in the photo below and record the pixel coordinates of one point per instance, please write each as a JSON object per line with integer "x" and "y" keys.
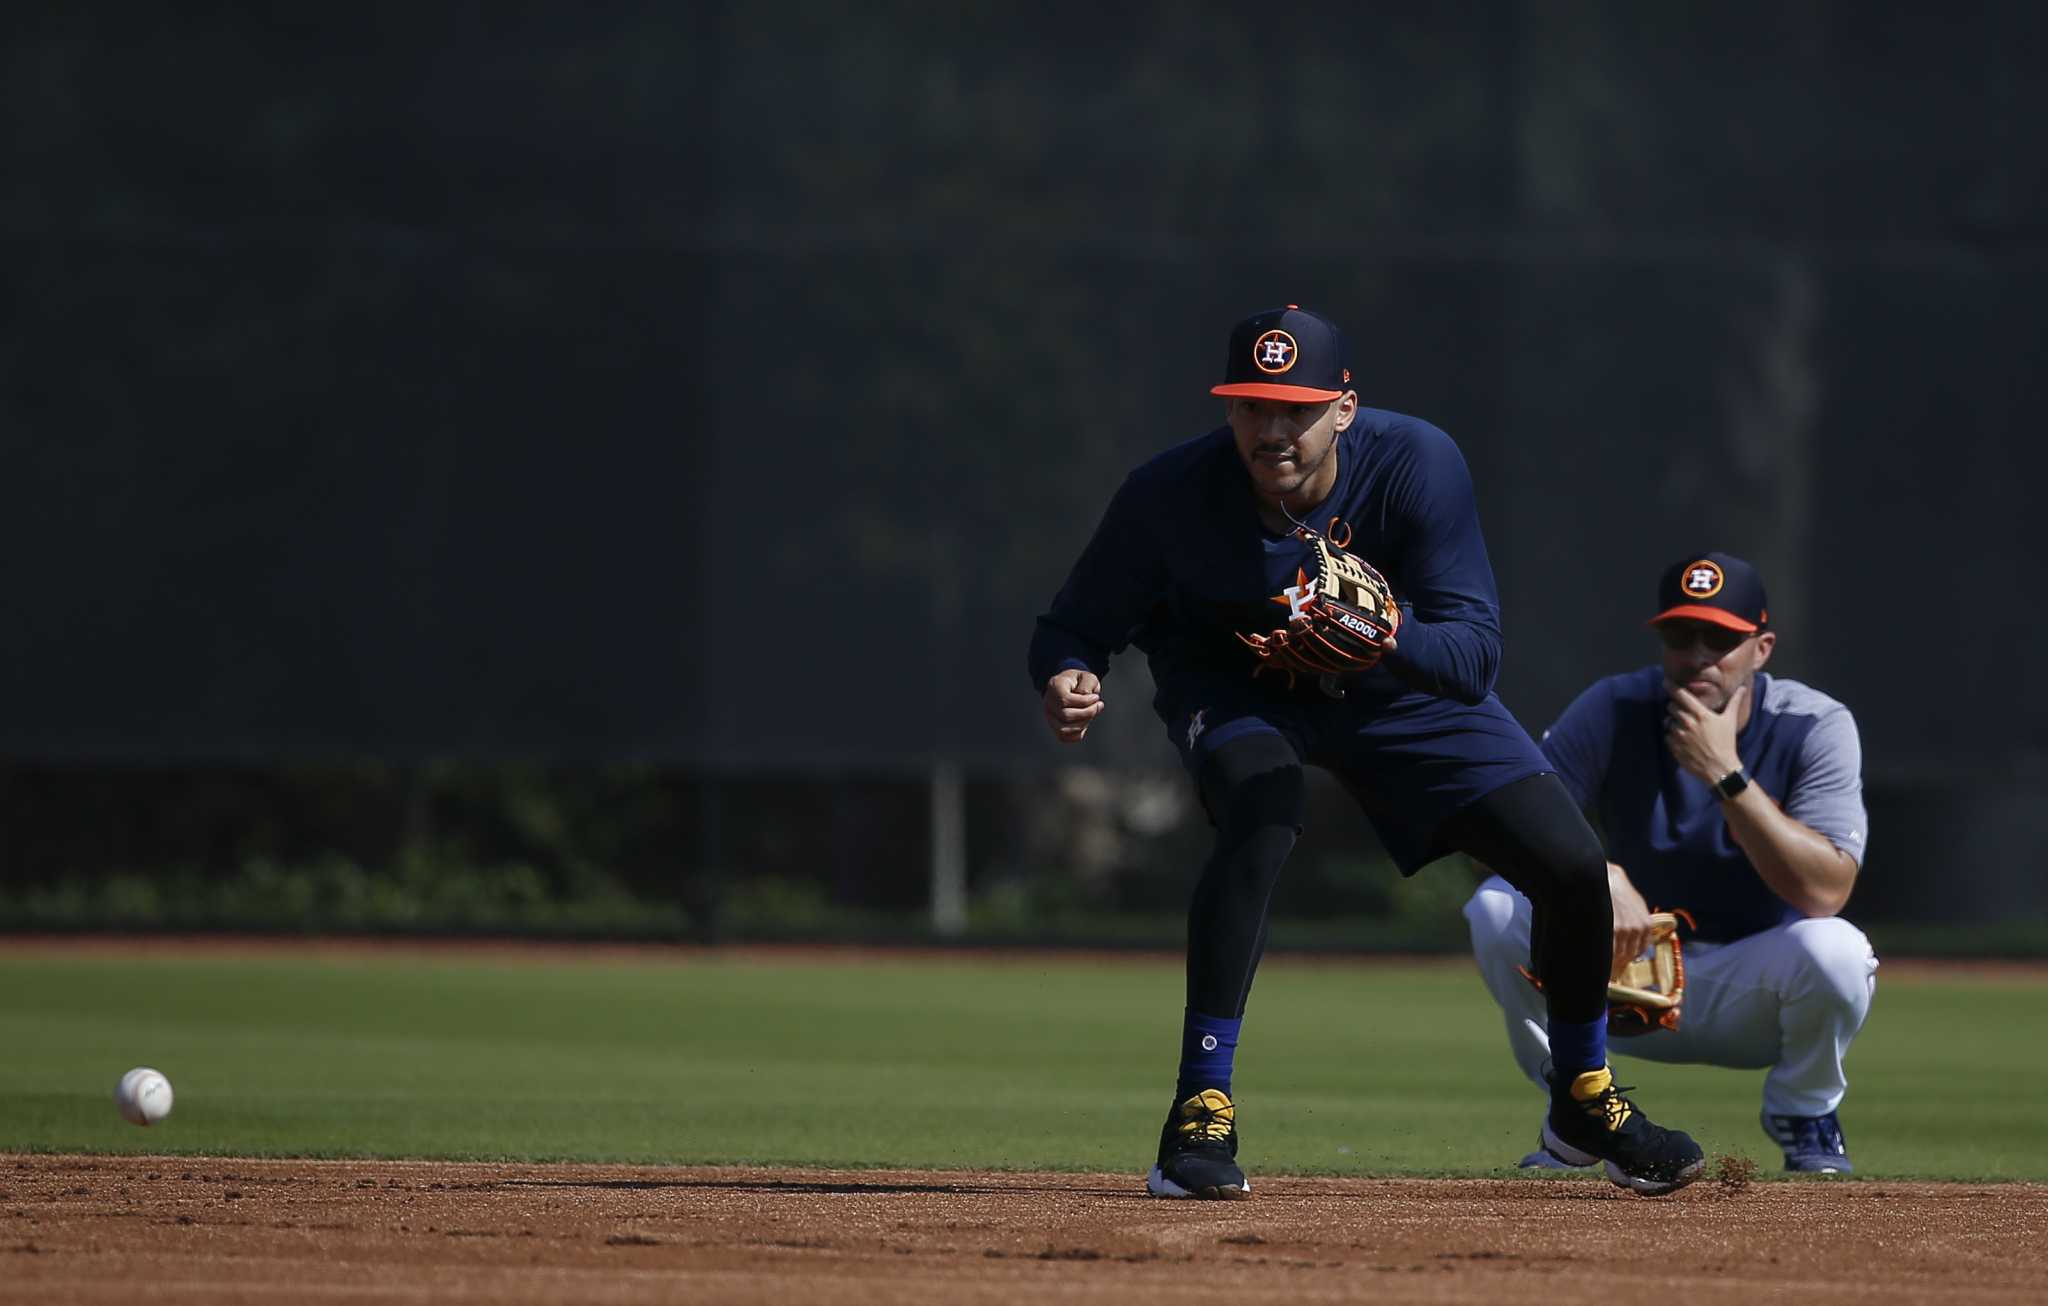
{"x": 1007, "y": 1063}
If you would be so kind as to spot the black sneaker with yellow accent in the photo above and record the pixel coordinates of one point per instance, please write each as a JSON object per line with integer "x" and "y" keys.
{"x": 1198, "y": 1151}
{"x": 1590, "y": 1121}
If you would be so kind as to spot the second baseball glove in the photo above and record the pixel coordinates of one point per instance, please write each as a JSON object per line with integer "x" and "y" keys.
{"x": 1646, "y": 992}
{"x": 1339, "y": 621}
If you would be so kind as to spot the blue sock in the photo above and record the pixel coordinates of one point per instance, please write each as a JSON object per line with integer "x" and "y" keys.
{"x": 1575, "y": 1048}
{"x": 1208, "y": 1045}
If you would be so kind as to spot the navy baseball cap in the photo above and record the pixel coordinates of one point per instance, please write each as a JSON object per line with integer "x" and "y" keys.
{"x": 1289, "y": 354}
{"x": 1718, "y": 588}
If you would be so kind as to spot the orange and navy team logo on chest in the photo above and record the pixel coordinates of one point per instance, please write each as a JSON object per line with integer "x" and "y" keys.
{"x": 1274, "y": 352}
{"x": 1703, "y": 579}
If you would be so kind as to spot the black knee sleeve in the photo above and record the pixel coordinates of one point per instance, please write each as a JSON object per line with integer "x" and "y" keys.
{"x": 1257, "y": 798}
{"x": 1252, "y": 781}
{"x": 1535, "y": 838}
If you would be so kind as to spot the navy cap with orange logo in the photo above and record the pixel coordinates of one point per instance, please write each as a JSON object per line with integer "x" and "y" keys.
{"x": 1289, "y": 354}
{"x": 1718, "y": 588}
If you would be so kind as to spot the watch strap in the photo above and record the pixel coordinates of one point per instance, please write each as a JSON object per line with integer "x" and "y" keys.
{"x": 1728, "y": 786}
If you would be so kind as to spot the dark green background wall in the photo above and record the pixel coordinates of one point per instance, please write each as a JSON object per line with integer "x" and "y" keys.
{"x": 727, "y": 386}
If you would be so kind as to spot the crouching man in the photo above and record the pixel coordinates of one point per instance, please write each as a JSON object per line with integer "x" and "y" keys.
{"x": 1738, "y": 797}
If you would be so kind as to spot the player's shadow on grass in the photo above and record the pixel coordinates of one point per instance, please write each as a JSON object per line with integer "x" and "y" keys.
{"x": 810, "y": 1186}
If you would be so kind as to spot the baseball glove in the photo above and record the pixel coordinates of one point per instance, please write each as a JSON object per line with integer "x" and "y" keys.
{"x": 1645, "y": 992}
{"x": 1339, "y": 620}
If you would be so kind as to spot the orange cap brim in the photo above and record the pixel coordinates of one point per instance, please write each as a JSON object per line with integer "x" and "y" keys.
{"x": 1712, "y": 616}
{"x": 1290, "y": 394}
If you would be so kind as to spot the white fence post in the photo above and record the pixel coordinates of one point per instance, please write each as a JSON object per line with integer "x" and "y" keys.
{"x": 949, "y": 849}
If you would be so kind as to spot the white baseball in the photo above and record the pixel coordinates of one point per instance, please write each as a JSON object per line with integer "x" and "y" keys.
{"x": 143, "y": 1095}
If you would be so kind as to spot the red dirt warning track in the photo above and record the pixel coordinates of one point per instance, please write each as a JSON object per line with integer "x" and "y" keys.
{"x": 175, "y": 1229}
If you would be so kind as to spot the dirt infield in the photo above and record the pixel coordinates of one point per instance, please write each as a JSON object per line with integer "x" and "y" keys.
{"x": 118, "y": 1229}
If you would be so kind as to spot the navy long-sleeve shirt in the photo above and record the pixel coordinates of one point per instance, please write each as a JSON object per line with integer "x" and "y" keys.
{"x": 1182, "y": 562}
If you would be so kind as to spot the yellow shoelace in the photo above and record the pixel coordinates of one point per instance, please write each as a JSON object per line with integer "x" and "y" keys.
{"x": 1602, "y": 1098}
{"x": 1208, "y": 1116}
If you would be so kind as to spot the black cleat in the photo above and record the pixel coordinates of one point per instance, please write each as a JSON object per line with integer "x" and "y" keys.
{"x": 1198, "y": 1151}
{"x": 1590, "y": 1121}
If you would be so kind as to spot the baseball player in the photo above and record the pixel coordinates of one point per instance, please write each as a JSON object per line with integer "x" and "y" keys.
{"x": 1311, "y": 587}
{"x": 1735, "y": 796}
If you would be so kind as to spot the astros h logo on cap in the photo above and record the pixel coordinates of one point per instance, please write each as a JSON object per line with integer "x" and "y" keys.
{"x": 1305, "y": 348}
{"x": 1703, "y": 579}
{"x": 1274, "y": 352}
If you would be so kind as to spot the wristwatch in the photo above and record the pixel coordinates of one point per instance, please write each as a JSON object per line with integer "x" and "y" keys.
{"x": 1728, "y": 786}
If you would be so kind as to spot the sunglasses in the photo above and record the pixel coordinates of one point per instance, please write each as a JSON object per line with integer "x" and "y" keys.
{"x": 1717, "y": 640}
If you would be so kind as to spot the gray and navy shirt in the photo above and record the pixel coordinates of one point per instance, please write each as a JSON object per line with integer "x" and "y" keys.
{"x": 1664, "y": 825}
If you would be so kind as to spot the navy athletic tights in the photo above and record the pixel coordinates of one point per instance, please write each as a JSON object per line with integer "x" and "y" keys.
{"x": 1530, "y": 832}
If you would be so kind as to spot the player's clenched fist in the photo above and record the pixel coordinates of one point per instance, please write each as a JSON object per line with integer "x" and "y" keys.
{"x": 1073, "y": 698}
